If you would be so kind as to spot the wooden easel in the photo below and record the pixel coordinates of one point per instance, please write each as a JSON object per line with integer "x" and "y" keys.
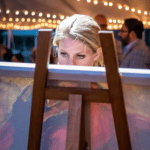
{"x": 77, "y": 96}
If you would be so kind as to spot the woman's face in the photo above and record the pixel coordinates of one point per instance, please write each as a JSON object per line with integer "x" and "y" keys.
{"x": 74, "y": 52}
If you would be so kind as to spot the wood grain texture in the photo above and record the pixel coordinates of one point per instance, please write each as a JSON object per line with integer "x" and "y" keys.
{"x": 115, "y": 91}
{"x": 74, "y": 122}
{"x": 89, "y": 95}
{"x": 38, "y": 98}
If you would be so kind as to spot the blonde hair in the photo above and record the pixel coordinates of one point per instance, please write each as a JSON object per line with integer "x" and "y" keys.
{"x": 82, "y": 28}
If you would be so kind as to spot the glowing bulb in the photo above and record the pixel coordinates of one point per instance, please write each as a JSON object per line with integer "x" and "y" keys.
{"x": 144, "y": 22}
{"x": 4, "y": 19}
{"x": 110, "y": 20}
{"x": 89, "y": 1}
{"x": 114, "y": 21}
{"x": 43, "y": 20}
{"x": 54, "y": 21}
{"x": 149, "y": 23}
{"x": 46, "y": 24}
{"x": 58, "y": 21}
{"x": 95, "y": 1}
{"x": 145, "y": 13}
{"x": 28, "y": 20}
{"x": 133, "y": 9}
{"x": 33, "y": 13}
{"x": 139, "y": 11}
{"x": 127, "y": 8}
{"x": 109, "y": 27}
{"x": 23, "y": 19}
{"x": 17, "y": 12}
{"x": 48, "y": 15}
{"x": 7, "y": 11}
{"x": 119, "y": 7}
{"x": 10, "y": 19}
{"x": 62, "y": 17}
{"x": 39, "y": 20}
{"x": 33, "y": 20}
{"x": 120, "y": 26}
{"x": 105, "y": 3}
{"x": 119, "y": 21}
{"x": 26, "y": 12}
{"x": 49, "y": 21}
{"x": 0, "y": 10}
{"x": 54, "y": 16}
{"x": 40, "y": 14}
{"x": 110, "y": 4}
{"x": 17, "y": 19}
{"x": 115, "y": 27}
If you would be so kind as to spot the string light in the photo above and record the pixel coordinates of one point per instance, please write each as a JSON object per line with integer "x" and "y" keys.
{"x": 120, "y": 7}
{"x": 149, "y": 23}
{"x": 43, "y": 20}
{"x": 10, "y": 19}
{"x": 17, "y": 12}
{"x": 120, "y": 26}
{"x": 54, "y": 16}
{"x": 23, "y": 19}
{"x": 133, "y": 9}
{"x": 115, "y": 27}
{"x": 7, "y": 11}
{"x": 144, "y": 22}
{"x": 46, "y": 24}
{"x": 48, "y": 15}
{"x": 33, "y": 20}
{"x": 54, "y": 21}
{"x": 61, "y": 17}
{"x": 114, "y": 21}
{"x": 127, "y": 8}
{"x": 28, "y": 20}
{"x": 40, "y": 14}
{"x": 49, "y": 21}
{"x": 89, "y": 1}
{"x": 4, "y": 19}
{"x": 105, "y": 3}
{"x": 110, "y": 4}
{"x": 110, "y": 20}
{"x": 17, "y": 19}
{"x": 58, "y": 21}
{"x": 145, "y": 13}
{"x": 32, "y": 13}
{"x": 109, "y": 27}
{"x": 39, "y": 20}
{"x": 139, "y": 11}
{"x": 95, "y": 2}
{"x": 119, "y": 21}
{"x": 26, "y": 12}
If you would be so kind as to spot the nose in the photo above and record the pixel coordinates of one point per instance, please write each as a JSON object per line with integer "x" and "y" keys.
{"x": 71, "y": 61}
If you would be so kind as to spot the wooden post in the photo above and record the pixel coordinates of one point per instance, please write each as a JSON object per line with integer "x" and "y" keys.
{"x": 38, "y": 98}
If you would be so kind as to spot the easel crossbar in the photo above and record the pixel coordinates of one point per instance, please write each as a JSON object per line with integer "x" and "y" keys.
{"x": 89, "y": 95}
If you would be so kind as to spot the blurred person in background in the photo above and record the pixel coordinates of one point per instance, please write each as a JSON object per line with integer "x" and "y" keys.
{"x": 17, "y": 58}
{"x": 5, "y": 53}
{"x": 135, "y": 53}
{"x": 102, "y": 22}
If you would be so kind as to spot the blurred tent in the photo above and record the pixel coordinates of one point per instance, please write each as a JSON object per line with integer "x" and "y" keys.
{"x": 30, "y": 14}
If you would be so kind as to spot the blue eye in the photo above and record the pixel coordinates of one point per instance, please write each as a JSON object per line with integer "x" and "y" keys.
{"x": 63, "y": 54}
{"x": 81, "y": 56}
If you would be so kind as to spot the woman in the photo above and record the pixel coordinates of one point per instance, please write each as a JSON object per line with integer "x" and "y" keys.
{"x": 77, "y": 41}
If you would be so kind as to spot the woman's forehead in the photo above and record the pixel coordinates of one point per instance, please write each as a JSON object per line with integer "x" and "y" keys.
{"x": 69, "y": 43}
